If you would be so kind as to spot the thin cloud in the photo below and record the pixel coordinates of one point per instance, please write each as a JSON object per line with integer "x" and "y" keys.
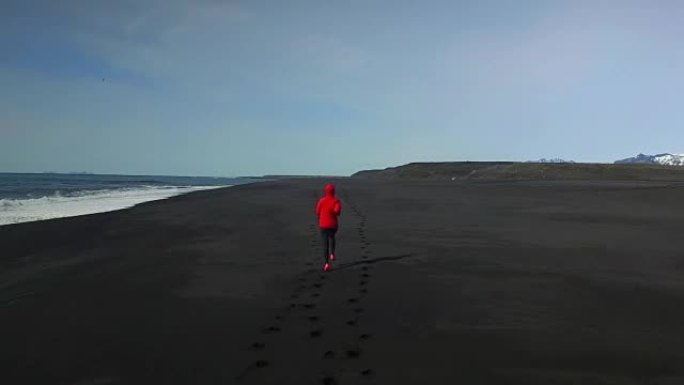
{"x": 328, "y": 53}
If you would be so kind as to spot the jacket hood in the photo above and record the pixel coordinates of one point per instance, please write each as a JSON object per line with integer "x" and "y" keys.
{"x": 330, "y": 190}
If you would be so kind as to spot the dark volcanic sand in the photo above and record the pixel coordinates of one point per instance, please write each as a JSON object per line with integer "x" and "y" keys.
{"x": 436, "y": 283}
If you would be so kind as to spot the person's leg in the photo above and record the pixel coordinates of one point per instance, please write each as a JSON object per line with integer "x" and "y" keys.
{"x": 332, "y": 241}
{"x": 325, "y": 238}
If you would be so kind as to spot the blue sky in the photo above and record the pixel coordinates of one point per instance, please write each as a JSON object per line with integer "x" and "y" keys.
{"x": 317, "y": 87}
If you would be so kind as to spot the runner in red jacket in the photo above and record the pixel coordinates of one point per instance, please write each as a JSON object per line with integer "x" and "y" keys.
{"x": 328, "y": 209}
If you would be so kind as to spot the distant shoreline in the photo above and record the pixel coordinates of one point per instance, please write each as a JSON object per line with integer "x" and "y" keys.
{"x": 38, "y": 197}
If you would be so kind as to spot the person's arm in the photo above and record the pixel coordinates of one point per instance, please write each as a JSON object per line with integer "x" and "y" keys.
{"x": 318, "y": 208}
{"x": 337, "y": 209}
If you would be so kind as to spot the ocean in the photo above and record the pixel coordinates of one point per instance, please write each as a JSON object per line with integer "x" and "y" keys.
{"x": 35, "y": 197}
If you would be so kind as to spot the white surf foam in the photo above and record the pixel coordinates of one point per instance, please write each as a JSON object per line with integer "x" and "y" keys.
{"x": 87, "y": 202}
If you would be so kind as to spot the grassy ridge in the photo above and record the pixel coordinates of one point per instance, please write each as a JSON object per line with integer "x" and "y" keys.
{"x": 527, "y": 171}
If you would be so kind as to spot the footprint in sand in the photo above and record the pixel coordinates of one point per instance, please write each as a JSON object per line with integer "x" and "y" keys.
{"x": 271, "y": 329}
{"x": 328, "y": 355}
{"x": 364, "y": 337}
{"x": 261, "y": 364}
{"x": 316, "y": 333}
{"x": 313, "y": 318}
{"x": 258, "y": 346}
{"x": 353, "y": 300}
{"x": 353, "y": 353}
{"x": 351, "y": 322}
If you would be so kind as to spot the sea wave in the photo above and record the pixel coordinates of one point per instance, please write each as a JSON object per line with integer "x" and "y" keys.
{"x": 86, "y": 202}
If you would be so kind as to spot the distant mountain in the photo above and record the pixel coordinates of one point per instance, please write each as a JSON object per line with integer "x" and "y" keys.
{"x": 553, "y": 160}
{"x": 526, "y": 171}
{"x": 660, "y": 159}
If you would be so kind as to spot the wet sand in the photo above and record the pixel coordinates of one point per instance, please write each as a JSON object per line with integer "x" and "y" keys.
{"x": 435, "y": 283}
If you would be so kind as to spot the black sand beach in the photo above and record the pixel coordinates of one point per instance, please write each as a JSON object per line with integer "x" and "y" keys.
{"x": 436, "y": 283}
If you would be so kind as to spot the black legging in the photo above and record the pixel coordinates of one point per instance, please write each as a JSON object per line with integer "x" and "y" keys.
{"x": 328, "y": 236}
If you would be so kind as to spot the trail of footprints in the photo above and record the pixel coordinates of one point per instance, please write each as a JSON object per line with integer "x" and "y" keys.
{"x": 308, "y": 288}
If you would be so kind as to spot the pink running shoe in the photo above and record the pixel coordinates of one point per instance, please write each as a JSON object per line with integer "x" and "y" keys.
{"x": 326, "y": 267}
{"x": 332, "y": 257}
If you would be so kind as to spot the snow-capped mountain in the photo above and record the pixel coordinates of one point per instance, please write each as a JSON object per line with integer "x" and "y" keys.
{"x": 553, "y": 160}
{"x": 661, "y": 159}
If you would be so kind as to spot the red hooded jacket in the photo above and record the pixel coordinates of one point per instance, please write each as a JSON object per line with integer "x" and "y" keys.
{"x": 328, "y": 209}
